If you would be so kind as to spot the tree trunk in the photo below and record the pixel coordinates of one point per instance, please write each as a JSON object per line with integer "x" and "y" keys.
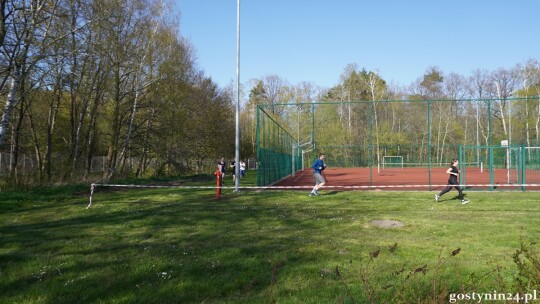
{"x": 142, "y": 161}
{"x": 113, "y": 145}
{"x": 115, "y": 127}
{"x": 15, "y": 174}
{"x": 54, "y": 106}
{"x": 11, "y": 101}
{"x": 37, "y": 147}
{"x": 503, "y": 120}
{"x": 91, "y": 135}
{"x": 128, "y": 133}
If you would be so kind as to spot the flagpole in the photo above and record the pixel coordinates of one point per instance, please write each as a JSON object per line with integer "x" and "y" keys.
{"x": 237, "y": 141}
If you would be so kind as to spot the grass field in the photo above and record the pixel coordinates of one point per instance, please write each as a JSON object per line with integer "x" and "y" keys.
{"x": 184, "y": 246}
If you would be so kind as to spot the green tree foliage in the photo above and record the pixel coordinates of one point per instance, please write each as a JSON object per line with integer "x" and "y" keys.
{"x": 117, "y": 82}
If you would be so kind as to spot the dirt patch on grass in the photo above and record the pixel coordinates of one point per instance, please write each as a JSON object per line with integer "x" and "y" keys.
{"x": 387, "y": 224}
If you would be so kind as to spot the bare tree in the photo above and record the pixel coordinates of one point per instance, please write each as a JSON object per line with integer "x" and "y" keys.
{"x": 477, "y": 87}
{"x": 3, "y": 12}
{"x": 274, "y": 90}
{"x": 529, "y": 74}
{"x": 142, "y": 82}
{"x": 377, "y": 90}
{"x": 25, "y": 42}
{"x": 504, "y": 84}
{"x": 130, "y": 39}
{"x": 350, "y": 83}
{"x": 430, "y": 87}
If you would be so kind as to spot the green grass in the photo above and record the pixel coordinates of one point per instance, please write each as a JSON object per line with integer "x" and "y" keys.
{"x": 184, "y": 246}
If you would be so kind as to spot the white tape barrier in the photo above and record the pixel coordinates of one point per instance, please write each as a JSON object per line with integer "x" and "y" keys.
{"x": 356, "y": 187}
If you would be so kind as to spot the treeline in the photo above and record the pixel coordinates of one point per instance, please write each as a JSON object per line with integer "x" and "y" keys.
{"x": 90, "y": 78}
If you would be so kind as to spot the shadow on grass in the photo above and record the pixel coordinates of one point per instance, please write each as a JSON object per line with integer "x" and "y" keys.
{"x": 183, "y": 246}
{"x": 326, "y": 193}
{"x": 146, "y": 246}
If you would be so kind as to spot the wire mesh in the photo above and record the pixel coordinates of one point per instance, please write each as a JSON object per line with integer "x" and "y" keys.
{"x": 407, "y": 134}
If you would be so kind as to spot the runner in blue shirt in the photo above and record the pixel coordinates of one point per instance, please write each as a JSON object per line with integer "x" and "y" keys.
{"x": 318, "y": 166}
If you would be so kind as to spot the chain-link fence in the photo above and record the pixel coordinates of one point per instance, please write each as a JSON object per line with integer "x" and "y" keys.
{"x": 405, "y": 133}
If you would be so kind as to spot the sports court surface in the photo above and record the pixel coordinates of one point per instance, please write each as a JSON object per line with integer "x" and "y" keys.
{"x": 410, "y": 179}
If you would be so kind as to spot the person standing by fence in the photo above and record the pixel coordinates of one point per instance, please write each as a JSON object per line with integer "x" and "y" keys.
{"x": 242, "y": 169}
{"x": 233, "y": 168}
{"x": 221, "y": 167}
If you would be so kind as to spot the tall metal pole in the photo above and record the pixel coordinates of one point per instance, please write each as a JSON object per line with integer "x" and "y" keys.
{"x": 313, "y": 127}
{"x": 429, "y": 142}
{"x": 477, "y": 133}
{"x": 509, "y": 122}
{"x": 237, "y": 141}
{"x": 372, "y": 110}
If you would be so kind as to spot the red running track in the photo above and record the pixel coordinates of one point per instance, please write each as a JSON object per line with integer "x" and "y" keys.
{"x": 410, "y": 179}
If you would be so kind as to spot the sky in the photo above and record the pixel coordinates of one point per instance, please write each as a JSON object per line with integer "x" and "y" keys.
{"x": 313, "y": 41}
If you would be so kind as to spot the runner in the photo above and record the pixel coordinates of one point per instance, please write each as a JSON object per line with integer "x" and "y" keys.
{"x": 453, "y": 182}
{"x": 318, "y": 166}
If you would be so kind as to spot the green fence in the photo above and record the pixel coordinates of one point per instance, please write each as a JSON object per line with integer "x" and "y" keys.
{"x": 400, "y": 155}
{"x": 278, "y": 153}
{"x": 407, "y": 133}
{"x": 513, "y": 165}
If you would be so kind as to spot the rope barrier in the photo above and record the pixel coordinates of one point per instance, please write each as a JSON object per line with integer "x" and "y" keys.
{"x": 344, "y": 187}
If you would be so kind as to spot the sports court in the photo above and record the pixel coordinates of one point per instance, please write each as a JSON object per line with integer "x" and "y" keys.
{"x": 406, "y": 179}
{"x": 398, "y": 145}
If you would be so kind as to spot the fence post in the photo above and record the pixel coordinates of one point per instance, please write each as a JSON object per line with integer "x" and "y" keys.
{"x": 219, "y": 183}
{"x": 491, "y": 168}
{"x": 523, "y": 167}
{"x": 293, "y": 165}
{"x": 462, "y": 165}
